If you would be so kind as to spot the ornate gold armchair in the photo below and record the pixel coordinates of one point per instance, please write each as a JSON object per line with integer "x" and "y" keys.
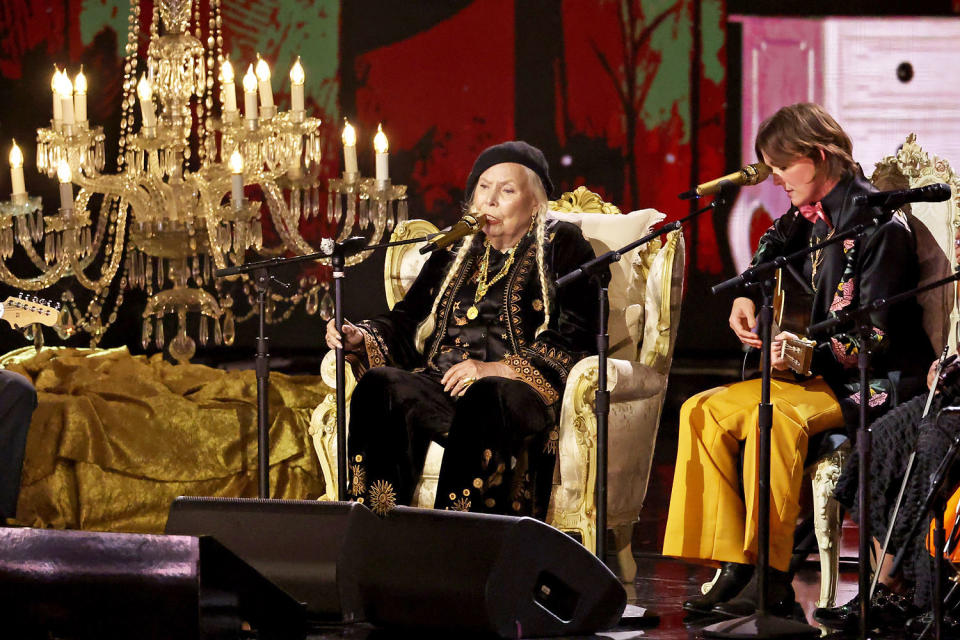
{"x": 645, "y": 291}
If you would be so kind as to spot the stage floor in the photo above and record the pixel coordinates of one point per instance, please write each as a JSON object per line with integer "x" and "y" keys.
{"x": 662, "y": 584}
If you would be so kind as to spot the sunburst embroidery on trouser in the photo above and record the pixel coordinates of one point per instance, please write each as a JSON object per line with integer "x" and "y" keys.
{"x": 550, "y": 446}
{"x": 359, "y": 481}
{"x": 485, "y": 461}
{"x": 460, "y": 504}
{"x": 382, "y": 497}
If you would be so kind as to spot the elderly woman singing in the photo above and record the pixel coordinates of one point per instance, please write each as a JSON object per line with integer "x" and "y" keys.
{"x": 476, "y": 355}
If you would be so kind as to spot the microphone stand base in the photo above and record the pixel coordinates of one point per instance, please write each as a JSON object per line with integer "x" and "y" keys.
{"x": 761, "y": 625}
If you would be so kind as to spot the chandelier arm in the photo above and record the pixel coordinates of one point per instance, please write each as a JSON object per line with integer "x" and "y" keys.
{"x": 137, "y": 196}
{"x": 33, "y": 284}
{"x": 279, "y": 213}
{"x": 116, "y": 257}
{"x": 290, "y": 237}
{"x": 100, "y": 235}
{"x": 209, "y": 217}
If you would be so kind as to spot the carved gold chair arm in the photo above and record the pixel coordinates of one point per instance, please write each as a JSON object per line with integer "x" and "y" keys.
{"x": 323, "y": 423}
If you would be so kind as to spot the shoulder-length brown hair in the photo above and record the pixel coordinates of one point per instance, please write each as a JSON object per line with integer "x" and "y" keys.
{"x": 805, "y": 130}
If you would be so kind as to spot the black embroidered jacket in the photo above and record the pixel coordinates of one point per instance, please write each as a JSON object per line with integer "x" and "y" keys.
{"x": 507, "y": 317}
{"x": 900, "y": 349}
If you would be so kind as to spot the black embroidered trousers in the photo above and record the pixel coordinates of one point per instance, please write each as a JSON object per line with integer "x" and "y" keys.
{"x": 499, "y": 443}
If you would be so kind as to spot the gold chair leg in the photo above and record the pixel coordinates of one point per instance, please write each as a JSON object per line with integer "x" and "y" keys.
{"x": 827, "y": 522}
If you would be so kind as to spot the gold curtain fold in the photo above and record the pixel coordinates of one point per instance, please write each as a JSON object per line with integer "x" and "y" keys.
{"x": 115, "y": 437}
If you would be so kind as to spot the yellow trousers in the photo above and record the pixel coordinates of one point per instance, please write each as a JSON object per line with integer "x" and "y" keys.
{"x": 709, "y": 518}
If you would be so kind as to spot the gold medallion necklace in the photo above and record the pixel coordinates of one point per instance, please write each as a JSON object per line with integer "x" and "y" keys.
{"x": 482, "y": 285}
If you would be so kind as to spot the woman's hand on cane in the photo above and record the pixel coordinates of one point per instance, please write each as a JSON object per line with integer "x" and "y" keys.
{"x": 350, "y": 340}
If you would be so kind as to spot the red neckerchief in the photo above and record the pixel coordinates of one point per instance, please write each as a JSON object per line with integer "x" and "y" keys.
{"x": 814, "y": 212}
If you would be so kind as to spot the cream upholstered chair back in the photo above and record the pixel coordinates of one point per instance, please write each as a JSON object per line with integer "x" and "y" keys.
{"x": 607, "y": 230}
{"x": 935, "y": 225}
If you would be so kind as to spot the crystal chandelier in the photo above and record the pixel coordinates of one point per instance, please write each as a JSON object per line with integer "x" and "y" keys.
{"x": 175, "y": 208}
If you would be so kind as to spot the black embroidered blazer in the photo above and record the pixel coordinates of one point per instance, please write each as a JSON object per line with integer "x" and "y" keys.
{"x": 887, "y": 257}
{"x": 509, "y": 314}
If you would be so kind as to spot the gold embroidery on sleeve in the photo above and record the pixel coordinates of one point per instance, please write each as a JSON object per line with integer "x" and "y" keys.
{"x": 532, "y": 376}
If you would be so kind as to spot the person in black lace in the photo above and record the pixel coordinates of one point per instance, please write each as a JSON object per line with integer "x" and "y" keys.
{"x": 476, "y": 355}
{"x": 18, "y": 399}
{"x": 895, "y": 436}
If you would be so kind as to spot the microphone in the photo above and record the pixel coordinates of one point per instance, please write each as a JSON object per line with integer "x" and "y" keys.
{"x": 348, "y": 247}
{"x": 467, "y": 225}
{"x": 751, "y": 174}
{"x": 893, "y": 199}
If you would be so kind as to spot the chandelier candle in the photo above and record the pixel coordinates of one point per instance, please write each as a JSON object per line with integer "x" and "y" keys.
{"x": 66, "y": 188}
{"x": 349, "y": 148}
{"x": 229, "y": 91}
{"x": 145, "y": 91}
{"x": 267, "y": 110}
{"x": 80, "y": 97}
{"x": 380, "y": 146}
{"x": 17, "y": 187}
{"x": 250, "y": 98}
{"x": 57, "y": 106}
{"x": 65, "y": 90}
{"x": 236, "y": 169}
{"x": 297, "y": 77}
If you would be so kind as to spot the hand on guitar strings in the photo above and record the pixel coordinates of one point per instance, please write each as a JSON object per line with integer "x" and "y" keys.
{"x": 777, "y": 359}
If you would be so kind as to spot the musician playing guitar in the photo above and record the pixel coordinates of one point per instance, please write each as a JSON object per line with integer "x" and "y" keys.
{"x": 709, "y": 518}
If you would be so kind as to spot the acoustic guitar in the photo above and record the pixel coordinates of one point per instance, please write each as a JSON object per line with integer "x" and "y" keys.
{"x": 26, "y": 310}
{"x": 792, "y": 302}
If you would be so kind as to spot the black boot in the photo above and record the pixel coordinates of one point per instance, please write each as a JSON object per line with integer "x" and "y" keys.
{"x": 730, "y": 581}
{"x": 924, "y": 623}
{"x": 886, "y": 609}
{"x": 780, "y": 597}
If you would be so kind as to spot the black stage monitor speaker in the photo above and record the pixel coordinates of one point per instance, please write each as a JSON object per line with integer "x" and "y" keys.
{"x": 81, "y": 584}
{"x": 415, "y": 567}
{"x": 516, "y": 577}
{"x": 307, "y": 548}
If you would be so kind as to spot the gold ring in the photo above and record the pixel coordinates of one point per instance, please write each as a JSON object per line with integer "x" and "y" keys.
{"x": 469, "y": 381}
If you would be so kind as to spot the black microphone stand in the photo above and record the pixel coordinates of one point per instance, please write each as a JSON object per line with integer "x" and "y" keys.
{"x": 762, "y": 624}
{"x": 262, "y": 277}
{"x": 594, "y": 269}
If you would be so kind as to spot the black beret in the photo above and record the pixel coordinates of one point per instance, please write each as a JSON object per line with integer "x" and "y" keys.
{"x": 516, "y": 151}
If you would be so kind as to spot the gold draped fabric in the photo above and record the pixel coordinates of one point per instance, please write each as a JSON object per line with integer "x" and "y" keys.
{"x": 115, "y": 437}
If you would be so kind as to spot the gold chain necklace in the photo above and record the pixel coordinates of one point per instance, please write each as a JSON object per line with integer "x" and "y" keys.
{"x": 482, "y": 285}
{"x": 817, "y": 259}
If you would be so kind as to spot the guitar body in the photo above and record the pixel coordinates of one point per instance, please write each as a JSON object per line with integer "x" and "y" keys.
{"x": 792, "y": 304}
